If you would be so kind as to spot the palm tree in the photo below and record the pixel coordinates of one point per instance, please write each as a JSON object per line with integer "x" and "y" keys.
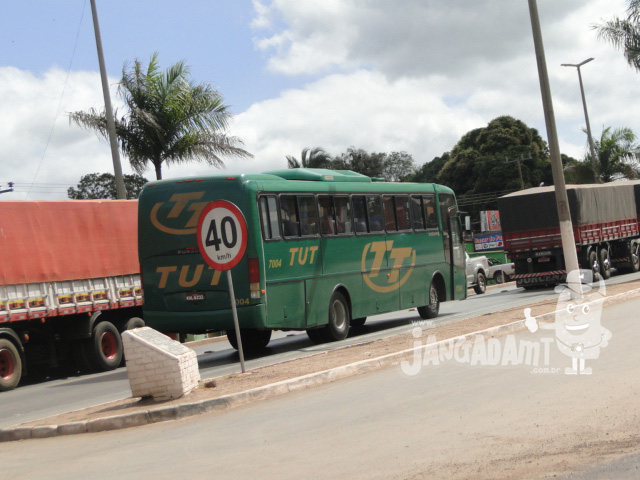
{"x": 624, "y": 33}
{"x": 316, "y": 158}
{"x": 618, "y": 154}
{"x": 170, "y": 119}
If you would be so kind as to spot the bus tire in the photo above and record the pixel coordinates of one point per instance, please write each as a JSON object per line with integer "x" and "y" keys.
{"x": 104, "y": 348}
{"x": 253, "y": 340}
{"x": 481, "y": 284}
{"x": 10, "y": 365}
{"x": 605, "y": 263}
{"x": 339, "y": 321}
{"x": 431, "y": 310}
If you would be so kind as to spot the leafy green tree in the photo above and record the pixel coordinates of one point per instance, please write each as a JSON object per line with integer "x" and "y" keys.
{"x": 483, "y": 160}
{"x": 624, "y": 33}
{"x": 103, "y": 186}
{"x": 398, "y": 167}
{"x": 428, "y": 173}
{"x": 169, "y": 119}
{"x": 617, "y": 152}
{"x": 310, "y": 158}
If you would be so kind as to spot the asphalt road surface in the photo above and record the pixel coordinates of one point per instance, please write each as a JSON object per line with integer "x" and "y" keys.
{"x": 53, "y": 396}
{"x": 451, "y": 419}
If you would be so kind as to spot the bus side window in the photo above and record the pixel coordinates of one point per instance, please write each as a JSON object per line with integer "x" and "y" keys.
{"x": 308, "y": 215}
{"x": 325, "y": 208}
{"x": 343, "y": 215}
{"x": 269, "y": 217}
{"x": 417, "y": 213}
{"x": 402, "y": 212}
{"x": 375, "y": 213}
{"x": 389, "y": 214}
{"x": 430, "y": 211}
{"x": 359, "y": 213}
{"x": 290, "y": 225}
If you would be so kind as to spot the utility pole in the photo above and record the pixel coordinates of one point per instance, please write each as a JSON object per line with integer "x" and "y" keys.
{"x": 594, "y": 161}
{"x": 121, "y": 192}
{"x": 562, "y": 201}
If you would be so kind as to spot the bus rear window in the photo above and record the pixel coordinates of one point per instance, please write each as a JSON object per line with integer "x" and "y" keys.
{"x": 269, "y": 217}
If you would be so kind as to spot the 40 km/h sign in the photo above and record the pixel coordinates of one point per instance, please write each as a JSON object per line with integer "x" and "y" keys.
{"x": 222, "y": 235}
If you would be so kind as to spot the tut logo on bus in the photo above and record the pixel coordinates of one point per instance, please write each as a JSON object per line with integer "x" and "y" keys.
{"x": 392, "y": 280}
{"x": 186, "y": 210}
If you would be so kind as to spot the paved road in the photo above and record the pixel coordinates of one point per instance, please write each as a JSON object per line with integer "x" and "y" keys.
{"x": 31, "y": 402}
{"x": 451, "y": 420}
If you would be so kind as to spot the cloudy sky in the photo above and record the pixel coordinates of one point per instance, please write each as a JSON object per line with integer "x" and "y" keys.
{"x": 382, "y": 75}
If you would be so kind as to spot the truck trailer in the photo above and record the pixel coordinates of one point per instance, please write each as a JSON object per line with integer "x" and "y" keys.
{"x": 606, "y": 229}
{"x": 69, "y": 285}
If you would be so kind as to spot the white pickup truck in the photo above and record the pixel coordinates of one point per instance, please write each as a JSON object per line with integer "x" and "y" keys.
{"x": 500, "y": 272}
{"x": 477, "y": 268}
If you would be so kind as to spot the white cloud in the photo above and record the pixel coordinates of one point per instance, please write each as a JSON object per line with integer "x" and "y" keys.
{"x": 41, "y": 152}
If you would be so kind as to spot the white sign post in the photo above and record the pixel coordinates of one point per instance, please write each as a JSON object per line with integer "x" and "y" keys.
{"x": 222, "y": 239}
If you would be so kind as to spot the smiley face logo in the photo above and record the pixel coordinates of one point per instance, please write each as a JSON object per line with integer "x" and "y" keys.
{"x": 392, "y": 280}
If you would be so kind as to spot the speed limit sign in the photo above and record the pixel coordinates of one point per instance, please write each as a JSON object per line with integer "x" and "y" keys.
{"x": 222, "y": 235}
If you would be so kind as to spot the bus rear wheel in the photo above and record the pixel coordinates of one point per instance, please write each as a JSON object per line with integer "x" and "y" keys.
{"x": 10, "y": 365}
{"x": 339, "y": 321}
{"x": 431, "y": 310}
{"x": 253, "y": 340}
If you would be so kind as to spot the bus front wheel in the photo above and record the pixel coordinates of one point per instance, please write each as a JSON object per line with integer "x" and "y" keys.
{"x": 431, "y": 310}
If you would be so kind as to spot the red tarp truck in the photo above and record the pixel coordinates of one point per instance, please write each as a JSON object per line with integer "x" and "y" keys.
{"x": 69, "y": 284}
{"x": 605, "y": 226}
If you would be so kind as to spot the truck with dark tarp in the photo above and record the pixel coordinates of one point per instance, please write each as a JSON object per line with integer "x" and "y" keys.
{"x": 69, "y": 285}
{"x": 606, "y": 229}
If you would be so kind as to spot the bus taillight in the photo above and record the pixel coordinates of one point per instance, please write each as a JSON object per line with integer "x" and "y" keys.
{"x": 254, "y": 278}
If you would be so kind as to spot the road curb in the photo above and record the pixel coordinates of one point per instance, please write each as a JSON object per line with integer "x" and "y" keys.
{"x": 176, "y": 412}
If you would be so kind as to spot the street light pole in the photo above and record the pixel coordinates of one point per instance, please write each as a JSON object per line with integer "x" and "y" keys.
{"x": 562, "y": 200}
{"x": 586, "y": 117}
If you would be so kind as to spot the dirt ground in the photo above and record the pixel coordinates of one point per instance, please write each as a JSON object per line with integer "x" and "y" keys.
{"x": 235, "y": 383}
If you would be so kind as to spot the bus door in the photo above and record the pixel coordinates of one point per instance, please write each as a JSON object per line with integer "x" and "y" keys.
{"x": 454, "y": 247}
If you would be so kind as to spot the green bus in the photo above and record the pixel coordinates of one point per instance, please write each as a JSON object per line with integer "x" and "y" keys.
{"x": 325, "y": 249}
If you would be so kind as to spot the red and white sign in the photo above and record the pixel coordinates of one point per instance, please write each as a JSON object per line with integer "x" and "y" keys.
{"x": 222, "y": 235}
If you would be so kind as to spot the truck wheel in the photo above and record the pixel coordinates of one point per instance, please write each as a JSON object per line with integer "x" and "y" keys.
{"x": 481, "y": 284}
{"x": 634, "y": 257}
{"x": 134, "y": 322}
{"x": 499, "y": 277}
{"x": 339, "y": 321}
{"x": 594, "y": 265}
{"x": 104, "y": 348}
{"x": 253, "y": 340}
{"x": 605, "y": 264}
{"x": 431, "y": 310}
{"x": 10, "y": 365}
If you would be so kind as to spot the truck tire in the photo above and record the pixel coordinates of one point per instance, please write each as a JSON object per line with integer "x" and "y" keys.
{"x": 104, "y": 349}
{"x": 431, "y": 310}
{"x": 10, "y": 365}
{"x": 481, "y": 284}
{"x": 605, "y": 263}
{"x": 133, "y": 322}
{"x": 253, "y": 340}
{"x": 339, "y": 321}
{"x": 499, "y": 277}
{"x": 594, "y": 265}
{"x": 634, "y": 257}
